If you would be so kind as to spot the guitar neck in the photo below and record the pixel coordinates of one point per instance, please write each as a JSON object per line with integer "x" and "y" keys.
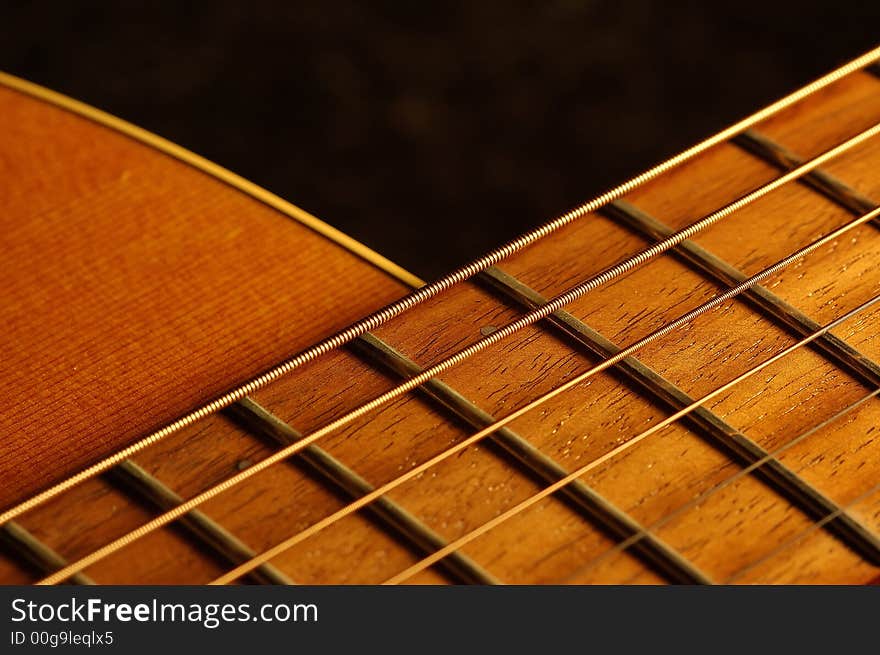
{"x": 674, "y": 383}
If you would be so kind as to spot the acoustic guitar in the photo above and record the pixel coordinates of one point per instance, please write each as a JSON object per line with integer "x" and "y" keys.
{"x": 676, "y": 382}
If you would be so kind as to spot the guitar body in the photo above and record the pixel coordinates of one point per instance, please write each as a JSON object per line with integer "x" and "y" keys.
{"x": 143, "y": 283}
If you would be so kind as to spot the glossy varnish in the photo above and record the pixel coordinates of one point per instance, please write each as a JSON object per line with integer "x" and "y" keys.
{"x": 141, "y": 287}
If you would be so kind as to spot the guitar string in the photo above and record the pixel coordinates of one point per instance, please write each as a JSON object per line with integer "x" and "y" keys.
{"x": 170, "y": 515}
{"x": 456, "y": 544}
{"x": 703, "y": 496}
{"x": 459, "y": 275}
{"x": 527, "y": 319}
{"x": 361, "y": 502}
{"x": 806, "y": 532}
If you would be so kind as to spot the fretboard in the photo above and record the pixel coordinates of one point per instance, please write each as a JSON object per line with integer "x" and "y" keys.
{"x": 679, "y": 384}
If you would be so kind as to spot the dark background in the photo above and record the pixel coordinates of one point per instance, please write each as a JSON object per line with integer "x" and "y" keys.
{"x": 433, "y": 131}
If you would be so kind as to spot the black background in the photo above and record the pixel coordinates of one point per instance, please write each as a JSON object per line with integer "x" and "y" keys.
{"x": 433, "y": 131}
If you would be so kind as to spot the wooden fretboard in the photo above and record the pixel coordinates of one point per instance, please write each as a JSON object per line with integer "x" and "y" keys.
{"x": 141, "y": 287}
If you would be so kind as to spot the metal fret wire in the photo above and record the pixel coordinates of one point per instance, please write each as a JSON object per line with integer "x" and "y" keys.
{"x": 390, "y": 515}
{"x": 585, "y": 501}
{"x": 429, "y": 291}
{"x": 710, "y": 427}
{"x": 452, "y": 546}
{"x": 702, "y": 497}
{"x": 623, "y": 354}
{"x": 33, "y": 552}
{"x": 527, "y": 319}
{"x": 806, "y": 532}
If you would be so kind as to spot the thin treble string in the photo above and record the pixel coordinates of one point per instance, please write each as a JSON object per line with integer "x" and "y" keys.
{"x": 459, "y": 275}
{"x": 527, "y": 319}
{"x": 805, "y": 533}
{"x": 701, "y": 498}
{"x": 453, "y": 546}
{"x": 626, "y": 352}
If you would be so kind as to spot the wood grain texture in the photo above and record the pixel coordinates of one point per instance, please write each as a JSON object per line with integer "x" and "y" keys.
{"x": 167, "y": 287}
{"x": 141, "y": 288}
